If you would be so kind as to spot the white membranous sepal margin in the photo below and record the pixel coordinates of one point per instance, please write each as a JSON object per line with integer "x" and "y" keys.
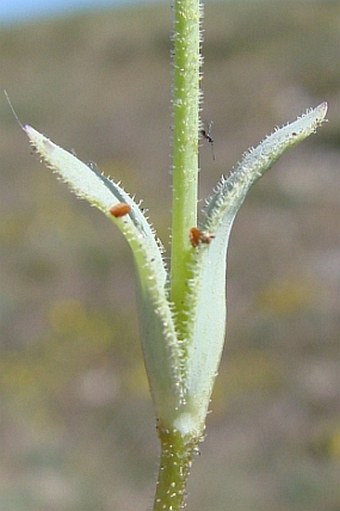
{"x": 181, "y": 360}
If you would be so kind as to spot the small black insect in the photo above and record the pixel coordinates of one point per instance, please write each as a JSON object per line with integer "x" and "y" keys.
{"x": 206, "y": 133}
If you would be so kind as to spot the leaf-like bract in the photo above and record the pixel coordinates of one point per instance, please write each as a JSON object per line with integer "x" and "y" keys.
{"x": 206, "y": 299}
{"x": 159, "y": 339}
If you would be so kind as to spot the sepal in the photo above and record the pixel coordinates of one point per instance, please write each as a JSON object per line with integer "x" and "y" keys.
{"x": 205, "y": 303}
{"x": 159, "y": 339}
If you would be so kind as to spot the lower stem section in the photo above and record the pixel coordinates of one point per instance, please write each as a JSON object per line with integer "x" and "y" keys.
{"x": 175, "y": 463}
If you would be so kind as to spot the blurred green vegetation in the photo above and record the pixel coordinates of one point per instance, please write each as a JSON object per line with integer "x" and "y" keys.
{"x": 76, "y": 428}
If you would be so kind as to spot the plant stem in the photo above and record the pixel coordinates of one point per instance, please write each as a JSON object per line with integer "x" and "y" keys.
{"x": 186, "y": 95}
{"x": 175, "y": 463}
{"x": 177, "y": 450}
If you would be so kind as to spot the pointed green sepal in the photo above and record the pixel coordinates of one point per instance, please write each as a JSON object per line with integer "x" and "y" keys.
{"x": 230, "y": 192}
{"x": 206, "y": 299}
{"x": 161, "y": 350}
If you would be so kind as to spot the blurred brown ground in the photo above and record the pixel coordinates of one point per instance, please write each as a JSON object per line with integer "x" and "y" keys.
{"x": 76, "y": 423}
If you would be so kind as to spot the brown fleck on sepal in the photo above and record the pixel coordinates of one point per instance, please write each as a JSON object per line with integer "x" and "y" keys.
{"x": 197, "y": 237}
{"x": 119, "y": 210}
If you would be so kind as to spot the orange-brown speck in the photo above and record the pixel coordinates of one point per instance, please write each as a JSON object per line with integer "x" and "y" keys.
{"x": 197, "y": 237}
{"x": 119, "y": 210}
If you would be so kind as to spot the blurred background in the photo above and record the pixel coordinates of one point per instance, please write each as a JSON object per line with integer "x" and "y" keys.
{"x": 76, "y": 423}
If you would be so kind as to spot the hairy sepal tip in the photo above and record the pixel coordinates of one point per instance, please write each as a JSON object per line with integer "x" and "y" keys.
{"x": 319, "y": 113}
{"x": 323, "y": 108}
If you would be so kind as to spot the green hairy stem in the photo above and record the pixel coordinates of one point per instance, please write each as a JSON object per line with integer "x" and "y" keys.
{"x": 185, "y": 104}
